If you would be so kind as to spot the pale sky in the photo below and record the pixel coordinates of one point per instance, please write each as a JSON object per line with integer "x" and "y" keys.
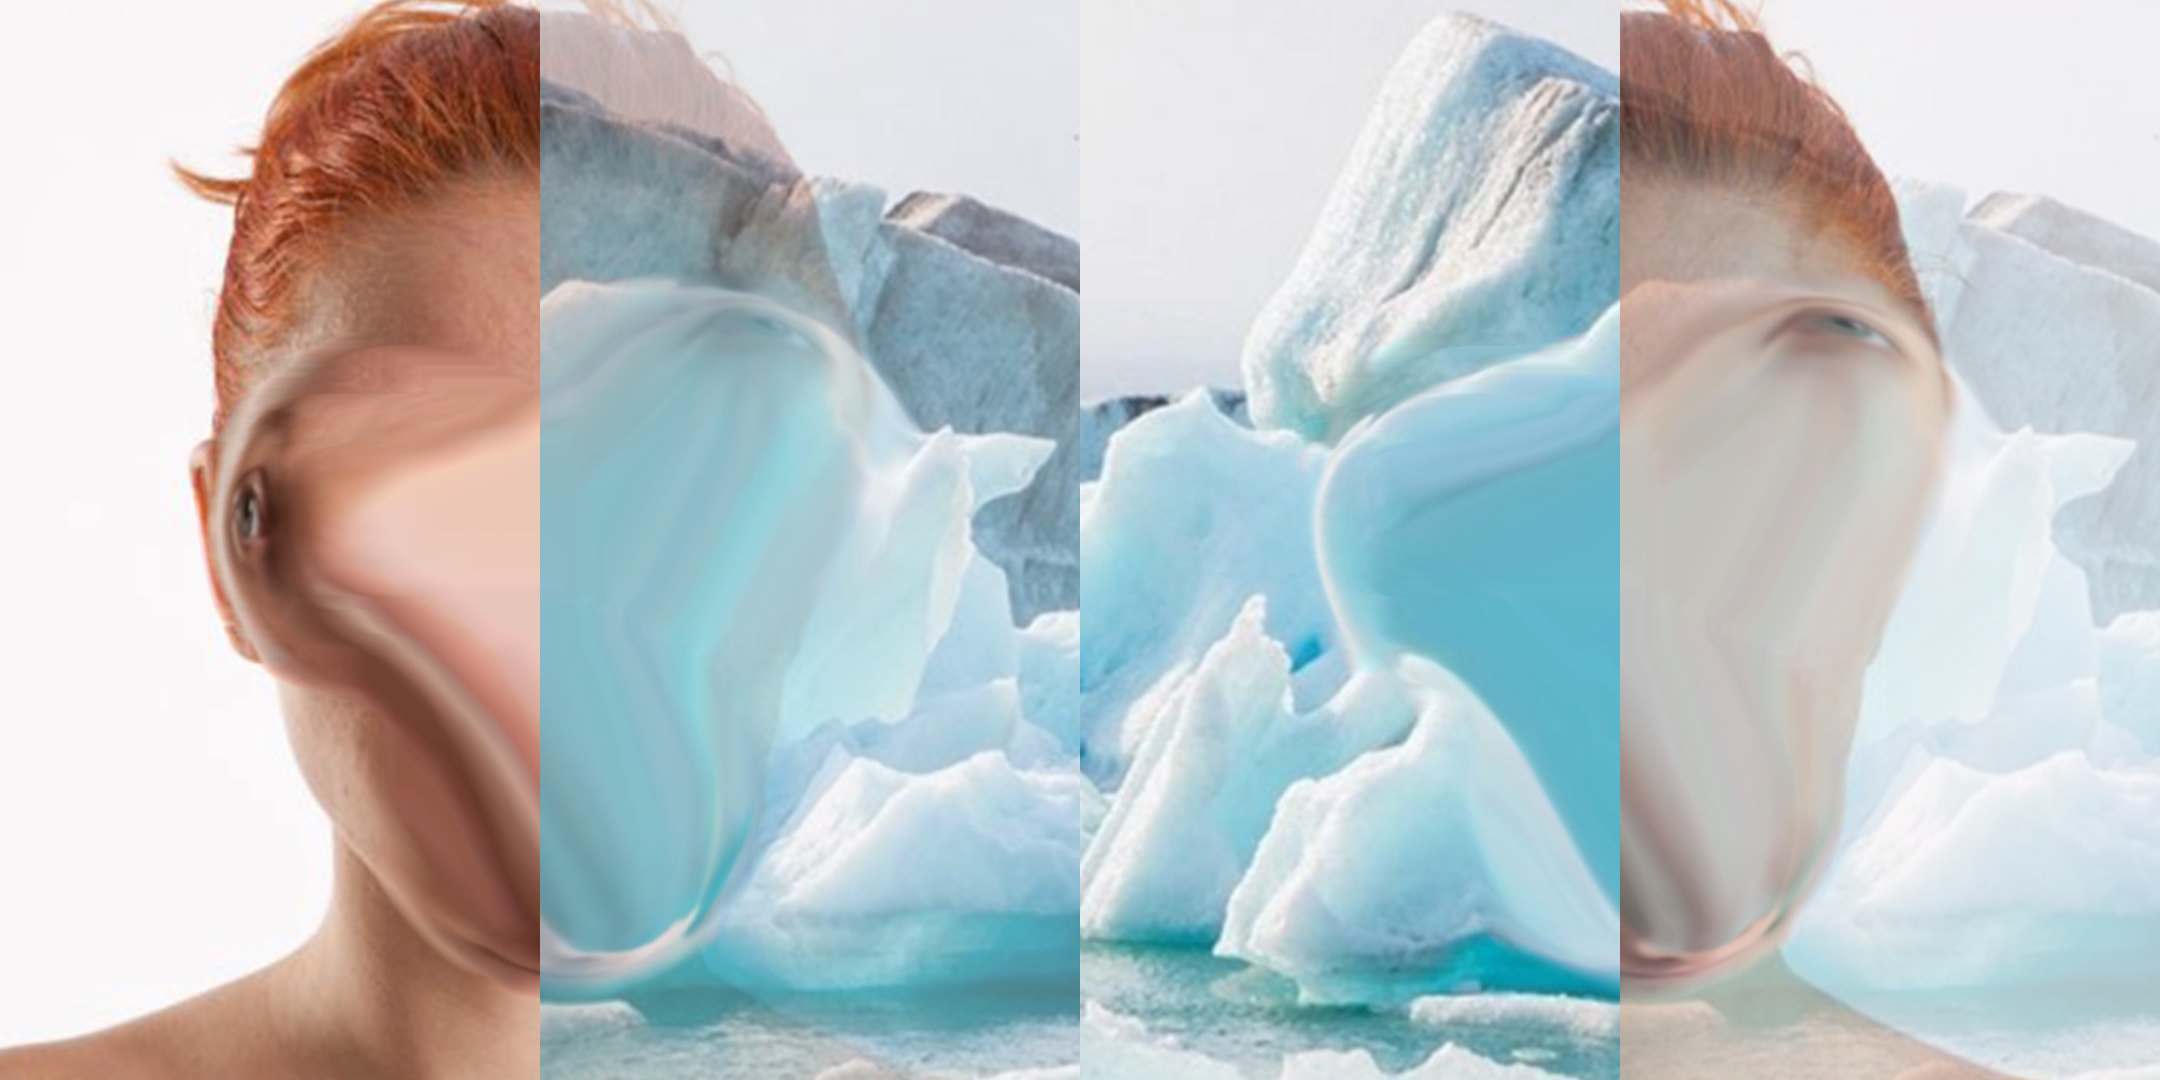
{"x": 2055, "y": 99}
{"x": 975, "y": 96}
{"x": 1214, "y": 128}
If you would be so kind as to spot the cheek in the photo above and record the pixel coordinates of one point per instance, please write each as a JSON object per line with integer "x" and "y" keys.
{"x": 460, "y": 864}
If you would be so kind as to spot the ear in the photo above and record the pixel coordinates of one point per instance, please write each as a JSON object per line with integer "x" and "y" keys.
{"x": 202, "y": 472}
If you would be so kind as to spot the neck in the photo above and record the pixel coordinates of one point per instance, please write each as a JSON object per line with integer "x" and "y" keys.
{"x": 369, "y": 993}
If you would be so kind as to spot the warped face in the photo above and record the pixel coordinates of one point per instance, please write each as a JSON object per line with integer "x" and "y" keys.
{"x": 371, "y": 514}
{"x": 1780, "y": 433}
{"x": 535, "y": 614}
{"x": 1662, "y": 555}
{"x": 376, "y": 532}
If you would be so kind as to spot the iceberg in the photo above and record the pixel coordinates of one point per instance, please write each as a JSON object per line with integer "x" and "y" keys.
{"x": 1194, "y": 515}
{"x": 1477, "y": 219}
{"x": 1218, "y": 746}
{"x": 1375, "y": 883}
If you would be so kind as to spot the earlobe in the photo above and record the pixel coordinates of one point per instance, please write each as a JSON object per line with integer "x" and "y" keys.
{"x": 202, "y": 475}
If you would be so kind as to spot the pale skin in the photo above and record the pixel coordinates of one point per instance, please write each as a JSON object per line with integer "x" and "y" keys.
{"x": 1760, "y": 1019}
{"x": 409, "y": 976}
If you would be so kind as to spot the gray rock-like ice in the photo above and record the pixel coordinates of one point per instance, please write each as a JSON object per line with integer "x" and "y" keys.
{"x": 1476, "y": 219}
{"x": 984, "y": 230}
{"x": 2057, "y": 328}
{"x": 959, "y": 306}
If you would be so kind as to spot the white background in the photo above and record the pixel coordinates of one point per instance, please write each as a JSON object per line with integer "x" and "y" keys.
{"x": 155, "y": 838}
{"x": 1215, "y": 127}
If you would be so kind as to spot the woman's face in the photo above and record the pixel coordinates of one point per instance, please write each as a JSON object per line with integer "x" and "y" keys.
{"x": 371, "y": 515}
{"x": 1780, "y": 420}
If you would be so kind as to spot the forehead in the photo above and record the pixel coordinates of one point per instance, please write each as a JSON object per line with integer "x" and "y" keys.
{"x": 458, "y": 273}
{"x": 429, "y": 301}
{"x": 1685, "y": 230}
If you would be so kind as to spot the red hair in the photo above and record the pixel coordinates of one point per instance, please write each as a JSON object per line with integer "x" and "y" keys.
{"x": 1703, "y": 97}
{"x": 411, "y": 99}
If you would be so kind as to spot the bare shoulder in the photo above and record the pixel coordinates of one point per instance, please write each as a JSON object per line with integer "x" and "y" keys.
{"x": 217, "y": 1034}
{"x": 129, "y": 1050}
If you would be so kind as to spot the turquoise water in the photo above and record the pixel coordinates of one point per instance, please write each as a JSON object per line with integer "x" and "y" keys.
{"x": 718, "y": 1035}
{"x": 1232, "y": 1012}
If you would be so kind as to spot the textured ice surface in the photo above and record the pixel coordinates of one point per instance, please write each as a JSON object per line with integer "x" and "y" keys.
{"x": 980, "y": 345}
{"x": 986, "y": 231}
{"x": 1584, "y": 1017}
{"x": 1476, "y": 219}
{"x": 884, "y": 878}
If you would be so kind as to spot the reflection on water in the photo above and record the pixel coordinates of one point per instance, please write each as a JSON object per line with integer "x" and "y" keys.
{"x": 725, "y": 1035}
{"x": 1239, "y": 1014}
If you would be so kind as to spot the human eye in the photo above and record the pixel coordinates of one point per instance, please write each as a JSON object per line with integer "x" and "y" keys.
{"x": 1844, "y": 325}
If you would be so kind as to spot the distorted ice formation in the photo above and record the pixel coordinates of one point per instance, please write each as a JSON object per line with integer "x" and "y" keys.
{"x": 1477, "y": 526}
{"x": 1414, "y": 829}
{"x": 798, "y": 503}
{"x": 1372, "y": 879}
{"x": 1212, "y": 656}
{"x": 743, "y": 537}
{"x": 1476, "y": 219}
{"x": 969, "y": 313}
